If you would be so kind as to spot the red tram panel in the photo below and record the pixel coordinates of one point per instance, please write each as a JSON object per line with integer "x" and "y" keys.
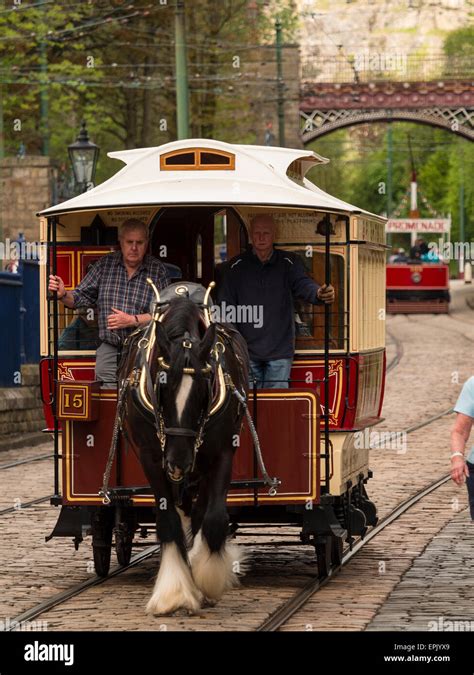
{"x": 417, "y": 288}
{"x": 430, "y": 277}
{"x": 288, "y": 425}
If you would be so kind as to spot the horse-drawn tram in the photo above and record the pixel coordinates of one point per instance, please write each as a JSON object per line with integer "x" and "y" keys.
{"x": 127, "y": 458}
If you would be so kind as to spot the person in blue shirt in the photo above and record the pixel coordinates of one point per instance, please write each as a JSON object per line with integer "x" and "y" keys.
{"x": 462, "y": 468}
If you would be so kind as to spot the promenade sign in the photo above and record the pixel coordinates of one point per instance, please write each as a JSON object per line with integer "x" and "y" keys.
{"x": 419, "y": 225}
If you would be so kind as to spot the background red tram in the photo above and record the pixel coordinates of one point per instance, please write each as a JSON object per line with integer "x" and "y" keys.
{"x": 418, "y": 285}
{"x": 198, "y": 196}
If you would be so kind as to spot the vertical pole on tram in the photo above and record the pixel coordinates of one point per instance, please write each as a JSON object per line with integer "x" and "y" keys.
{"x": 53, "y": 267}
{"x": 255, "y": 461}
{"x": 389, "y": 175}
{"x": 327, "y": 326}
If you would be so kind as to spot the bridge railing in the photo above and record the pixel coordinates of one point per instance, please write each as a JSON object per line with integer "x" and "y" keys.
{"x": 381, "y": 66}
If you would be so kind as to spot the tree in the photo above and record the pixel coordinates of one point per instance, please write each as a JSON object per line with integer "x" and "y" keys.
{"x": 112, "y": 63}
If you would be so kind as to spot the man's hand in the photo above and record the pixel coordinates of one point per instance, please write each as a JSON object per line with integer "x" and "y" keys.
{"x": 119, "y": 320}
{"x": 56, "y": 284}
{"x": 326, "y": 293}
{"x": 459, "y": 470}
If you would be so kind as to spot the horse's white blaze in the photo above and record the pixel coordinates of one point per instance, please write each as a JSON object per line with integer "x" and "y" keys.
{"x": 183, "y": 394}
{"x": 186, "y": 525}
{"x": 215, "y": 573}
{"x": 174, "y": 586}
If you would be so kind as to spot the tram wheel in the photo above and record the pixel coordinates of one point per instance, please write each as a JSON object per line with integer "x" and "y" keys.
{"x": 102, "y": 525}
{"x": 337, "y": 546}
{"x": 370, "y": 511}
{"x": 124, "y": 532}
{"x": 123, "y": 549}
{"x": 323, "y": 555}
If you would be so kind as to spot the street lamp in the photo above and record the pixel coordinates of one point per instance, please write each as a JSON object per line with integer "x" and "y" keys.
{"x": 83, "y": 155}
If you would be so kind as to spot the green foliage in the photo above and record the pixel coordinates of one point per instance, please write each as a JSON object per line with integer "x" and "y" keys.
{"x": 460, "y": 42}
{"x": 113, "y": 64}
{"x": 358, "y": 171}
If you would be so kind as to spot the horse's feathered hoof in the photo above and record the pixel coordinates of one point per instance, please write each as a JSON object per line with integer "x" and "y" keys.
{"x": 215, "y": 573}
{"x": 167, "y": 607}
{"x": 174, "y": 586}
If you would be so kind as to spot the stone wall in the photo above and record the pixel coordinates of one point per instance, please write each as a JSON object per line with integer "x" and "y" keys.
{"x": 25, "y": 189}
{"x": 21, "y": 410}
{"x": 332, "y": 31}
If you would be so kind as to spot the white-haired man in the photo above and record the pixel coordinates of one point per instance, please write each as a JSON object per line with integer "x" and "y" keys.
{"x": 116, "y": 285}
{"x": 271, "y": 278}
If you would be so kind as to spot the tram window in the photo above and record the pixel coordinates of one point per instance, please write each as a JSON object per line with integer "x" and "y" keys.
{"x": 214, "y": 158}
{"x": 309, "y": 319}
{"x": 78, "y": 328}
{"x": 185, "y": 158}
{"x": 197, "y": 158}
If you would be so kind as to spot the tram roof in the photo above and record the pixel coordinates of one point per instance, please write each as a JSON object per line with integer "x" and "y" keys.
{"x": 259, "y": 175}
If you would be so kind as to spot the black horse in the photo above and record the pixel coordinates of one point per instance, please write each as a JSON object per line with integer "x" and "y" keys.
{"x": 182, "y": 416}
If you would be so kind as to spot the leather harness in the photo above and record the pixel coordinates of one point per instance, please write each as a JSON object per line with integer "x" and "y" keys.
{"x": 144, "y": 393}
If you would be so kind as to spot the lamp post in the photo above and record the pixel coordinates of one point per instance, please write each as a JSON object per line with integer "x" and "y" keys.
{"x": 182, "y": 90}
{"x": 83, "y": 155}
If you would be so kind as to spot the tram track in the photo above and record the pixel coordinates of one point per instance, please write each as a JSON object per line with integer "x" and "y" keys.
{"x": 81, "y": 587}
{"x": 60, "y": 598}
{"x": 19, "y": 504}
{"x": 289, "y": 607}
{"x": 30, "y": 460}
{"x": 24, "y": 505}
{"x": 297, "y": 601}
{"x": 398, "y": 352}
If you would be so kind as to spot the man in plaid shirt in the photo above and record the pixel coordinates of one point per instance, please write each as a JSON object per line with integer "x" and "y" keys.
{"x": 116, "y": 284}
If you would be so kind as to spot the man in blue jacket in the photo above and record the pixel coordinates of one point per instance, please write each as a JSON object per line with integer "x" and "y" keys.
{"x": 269, "y": 279}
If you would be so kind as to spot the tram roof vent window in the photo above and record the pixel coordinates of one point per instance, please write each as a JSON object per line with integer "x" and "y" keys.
{"x": 197, "y": 159}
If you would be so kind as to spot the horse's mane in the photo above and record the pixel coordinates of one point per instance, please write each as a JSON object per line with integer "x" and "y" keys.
{"x": 182, "y": 316}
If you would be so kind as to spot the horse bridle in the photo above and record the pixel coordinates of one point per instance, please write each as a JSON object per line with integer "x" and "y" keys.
{"x": 163, "y": 431}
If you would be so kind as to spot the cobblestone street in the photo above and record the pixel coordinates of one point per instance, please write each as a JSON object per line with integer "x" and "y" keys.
{"x": 375, "y": 591}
